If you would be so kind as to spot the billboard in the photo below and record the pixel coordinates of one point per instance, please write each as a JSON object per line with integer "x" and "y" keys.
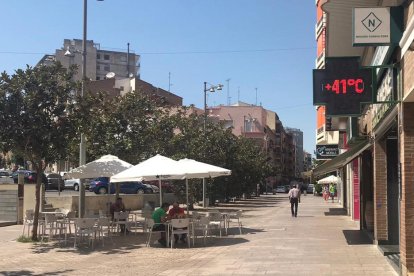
{"x": 374, "y": 26}
{"x": 326, "y": 151}
{"x": 343, "y": 86}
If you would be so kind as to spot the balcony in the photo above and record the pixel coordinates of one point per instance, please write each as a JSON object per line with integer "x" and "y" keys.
{"x": 320, "y": 26}
{"x": 320, "y": 60}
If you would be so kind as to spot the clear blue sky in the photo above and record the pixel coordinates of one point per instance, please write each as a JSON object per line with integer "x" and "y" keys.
{"x": 264, "y": 44}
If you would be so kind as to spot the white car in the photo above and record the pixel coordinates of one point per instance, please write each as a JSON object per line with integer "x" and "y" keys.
{"x": 73, "y": 183}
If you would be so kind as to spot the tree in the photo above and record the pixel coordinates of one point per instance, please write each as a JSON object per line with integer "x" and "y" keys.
{"x": 36, "y": 114}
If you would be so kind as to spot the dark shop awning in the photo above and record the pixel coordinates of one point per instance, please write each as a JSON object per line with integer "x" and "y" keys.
{"x": 341, "y": 160}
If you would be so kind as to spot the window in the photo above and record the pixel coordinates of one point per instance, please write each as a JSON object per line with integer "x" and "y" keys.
{"x": 107, "y": 68}
{"x": 123, "y": 58}
{"x": 98, "y": 78}
{"x": 106, "y": 57}
{"x": 98, "y": 67}
{"x": 121, "y": 88}
{"x": 98, "y": 56}
{"x": 228, "y": 124}
{"x": 248, "y": 126}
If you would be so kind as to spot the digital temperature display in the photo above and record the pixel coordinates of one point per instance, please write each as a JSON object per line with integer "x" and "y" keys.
{"x": 343, "y": 86}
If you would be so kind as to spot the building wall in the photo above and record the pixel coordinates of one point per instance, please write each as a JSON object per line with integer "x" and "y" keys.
{"x": 380, "y": 192}
{"x": 407, "y": 197}
{"x": 98, "y": 62}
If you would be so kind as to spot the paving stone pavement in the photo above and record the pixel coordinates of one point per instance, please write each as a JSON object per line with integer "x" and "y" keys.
{"x": 320, "y": 241}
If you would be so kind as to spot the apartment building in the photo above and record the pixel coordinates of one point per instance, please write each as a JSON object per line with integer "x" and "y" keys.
{"x": 266, "y": 129}
{"x": 375, "y": 164}
{"x": 99, "y": 62}
{"x": 297, "y": 135}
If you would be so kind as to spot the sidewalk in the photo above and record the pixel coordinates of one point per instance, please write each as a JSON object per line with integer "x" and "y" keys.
{"x": 320, "y": 241}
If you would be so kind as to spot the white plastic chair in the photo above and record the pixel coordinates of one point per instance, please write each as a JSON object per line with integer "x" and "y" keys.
{"x": 216, "y": 220}
{"x": 237, "y": 218}
{"x": 54, "y": 226}
{"x": 150, "y": 229}
{"x": 121, "y": 218}
{"x": 104, "y": 226}
{"x": 179, "y": 227}
{"x": 201, "y": 225}
{"x": 28, "y": 221}
{"x": 69, "y": 220}
{"x": 85, "y": 227}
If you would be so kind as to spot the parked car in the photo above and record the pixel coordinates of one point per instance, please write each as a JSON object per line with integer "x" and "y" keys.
{"x": 54, "y": 182}
{"x": 281, "y": 189}
{"x": 29, "y": 177}
{"x": 154, "y": 188}
{"x": 4, "y": 174}
{"x": 100, "y": 186}
{"x": 74, "y": 183}
{"x": 309, "y": 189}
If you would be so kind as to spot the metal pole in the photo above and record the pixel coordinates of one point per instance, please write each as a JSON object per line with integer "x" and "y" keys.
{"x": 160, "y": 185}
{"x": 186, "y": 192}
{"x": 205, "y": 106}
{"x": 82, "y": 148}
{"x": 204, "y": 193}
{"x": 128, "y": 61}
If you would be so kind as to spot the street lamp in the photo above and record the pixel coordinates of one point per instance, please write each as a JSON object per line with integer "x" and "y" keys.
{"x": 211, "y": 89}
{"x": 82, "y": 145}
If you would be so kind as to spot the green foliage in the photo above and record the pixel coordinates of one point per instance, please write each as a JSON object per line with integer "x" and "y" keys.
{"x": 25, "y": 239}
{"x": 35, "y": 107}
{"x": 318, "y": 188}
{"x": 36, "y": 115}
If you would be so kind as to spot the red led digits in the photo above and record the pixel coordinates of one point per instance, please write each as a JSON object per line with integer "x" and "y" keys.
{"x": 342, "y": 86}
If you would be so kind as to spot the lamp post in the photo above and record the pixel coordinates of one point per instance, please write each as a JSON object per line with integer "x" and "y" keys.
{"x": 82, "y": 145}
{"x": 212, "y": 89}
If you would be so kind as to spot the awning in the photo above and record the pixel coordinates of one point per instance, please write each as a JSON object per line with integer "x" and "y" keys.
{"x": 341, "y": 160}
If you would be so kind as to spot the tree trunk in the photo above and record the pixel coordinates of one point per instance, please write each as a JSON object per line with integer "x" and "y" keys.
{"x": 39, "y": 179}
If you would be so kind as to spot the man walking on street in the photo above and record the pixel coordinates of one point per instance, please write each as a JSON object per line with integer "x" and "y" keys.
{"x": 294, "y": 197}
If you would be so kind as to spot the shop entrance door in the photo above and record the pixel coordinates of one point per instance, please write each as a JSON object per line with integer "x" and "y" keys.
{"x": 392, "y": 191}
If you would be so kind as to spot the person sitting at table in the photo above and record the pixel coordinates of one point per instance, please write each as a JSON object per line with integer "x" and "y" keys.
{"x": 118, "y": 206}
{"x": 176, "y": 212}
{"x": 160, "y": 216}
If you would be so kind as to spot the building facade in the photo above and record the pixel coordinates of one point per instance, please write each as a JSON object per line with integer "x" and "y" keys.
{"x": 297, "y": 135}
{"x": 265, "y": 128}
{"x": 375, "y": 164}
{"x": 99, "y": 63}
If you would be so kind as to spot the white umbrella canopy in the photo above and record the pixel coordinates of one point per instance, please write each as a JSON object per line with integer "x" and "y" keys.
{"x": 328, "y": 180}
{"x": 155, "y": 168}
{"x": 107, "y": 165}
{"x": 196, "y": 169}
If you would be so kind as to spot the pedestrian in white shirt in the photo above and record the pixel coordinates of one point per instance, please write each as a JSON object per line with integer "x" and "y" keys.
{"x": 294, "y": 198}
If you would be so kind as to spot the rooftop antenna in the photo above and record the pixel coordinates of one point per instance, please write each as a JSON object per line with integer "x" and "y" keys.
{"x": 228, "y": 91}
{"x": 169, "y": 81}
{"x": 128, "y": 75}
{"x": 256, "y": 96}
